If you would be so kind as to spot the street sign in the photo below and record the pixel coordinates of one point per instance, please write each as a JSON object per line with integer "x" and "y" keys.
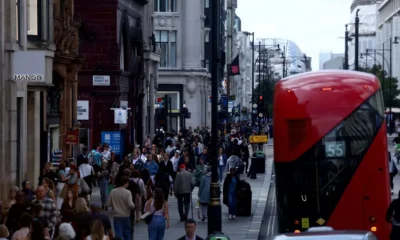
{"x": 72, "y": 137}
{"x": 115, "y": 140}
{"x": 259, "y": 139}
{"x": 260, "y": 115}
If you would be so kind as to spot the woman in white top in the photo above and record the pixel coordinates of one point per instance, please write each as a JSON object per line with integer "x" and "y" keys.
{"x": 97, "y": 232}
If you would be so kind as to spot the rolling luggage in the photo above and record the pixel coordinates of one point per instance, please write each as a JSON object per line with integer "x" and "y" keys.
{"x": 244, "y": 199}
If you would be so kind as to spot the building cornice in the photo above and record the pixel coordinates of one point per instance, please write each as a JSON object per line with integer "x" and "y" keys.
{"x": 151, "y": 56}
{"x": 180, "y": 72}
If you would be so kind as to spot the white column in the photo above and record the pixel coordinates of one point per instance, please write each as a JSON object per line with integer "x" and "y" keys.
{"x": 192, "y": 32}
{"x": 33, "y": 163}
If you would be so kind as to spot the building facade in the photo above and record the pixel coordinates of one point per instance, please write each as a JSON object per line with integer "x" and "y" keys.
{"x": 180, "y": 34}
{"x": 272, "y": 50}
{"x": 26, "y": 60}
{"x": 61, "y": 98}
{"x": 308, "y": 64}
{"x": 388, "y": 28}
{"x": 334, "y": 63}
{"x": 329, "y": 60}
{"x": 118, "y": 73}
{"x": 244, "y": 87}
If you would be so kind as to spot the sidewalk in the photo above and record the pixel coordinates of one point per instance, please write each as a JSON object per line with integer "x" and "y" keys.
{"x": 240, "y": 229}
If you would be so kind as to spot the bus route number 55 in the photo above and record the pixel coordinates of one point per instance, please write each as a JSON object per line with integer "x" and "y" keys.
{"x": 335, "y": 149}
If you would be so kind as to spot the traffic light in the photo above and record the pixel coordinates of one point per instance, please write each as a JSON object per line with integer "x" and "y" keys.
{"x": 260, "y": 104}
{"x": 186, "y": 113}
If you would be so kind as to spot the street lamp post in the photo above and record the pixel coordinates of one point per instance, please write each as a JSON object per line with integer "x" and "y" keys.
{"x": 214, "y": 208}
{"x": 347, "y": 39}
{"x": 391, "y": 125}
{"x": 184, "y": 115}
{"x": 284, "y": 62}
{"x": 356, "y": 35}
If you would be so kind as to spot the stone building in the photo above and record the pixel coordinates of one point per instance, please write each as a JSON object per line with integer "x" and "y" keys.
{"x": 61, "y": 117}
{"x": 119, "y": 70}
{"x": 181, "y": 32}
{"x": 26, "y": 60}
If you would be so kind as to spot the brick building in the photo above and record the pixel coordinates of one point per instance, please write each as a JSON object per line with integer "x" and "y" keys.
{"x": 119, "y": 68}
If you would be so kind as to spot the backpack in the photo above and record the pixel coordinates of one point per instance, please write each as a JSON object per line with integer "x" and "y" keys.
{"x": 239, "y": 166}
{"x": 134, "y": 187}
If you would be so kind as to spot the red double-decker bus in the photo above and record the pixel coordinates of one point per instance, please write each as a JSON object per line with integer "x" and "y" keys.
{"x": 330, "y": 152}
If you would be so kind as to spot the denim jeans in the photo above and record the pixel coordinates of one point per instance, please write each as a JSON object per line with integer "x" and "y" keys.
{"x": 156, "y": 228}
{"x": 221, "y": 169}
{"x": 232, "y": 203}
{"x": 122, "y": 227}
{"x": 103, "y": 185}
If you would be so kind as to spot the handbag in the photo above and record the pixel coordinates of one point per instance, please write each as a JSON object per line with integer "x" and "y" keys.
{"x": 84, "y": 186}
{"x": 147, "y": 217}
{"x": 395, "y": 170}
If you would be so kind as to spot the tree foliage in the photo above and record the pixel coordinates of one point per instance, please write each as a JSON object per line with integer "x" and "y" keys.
{"x": 266, "y": 89}
{"x": 389, "y": 86}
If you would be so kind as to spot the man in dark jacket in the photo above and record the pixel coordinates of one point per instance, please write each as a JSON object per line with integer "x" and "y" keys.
{"x": 81, "y": 158}
{"x": 190, "y": 228}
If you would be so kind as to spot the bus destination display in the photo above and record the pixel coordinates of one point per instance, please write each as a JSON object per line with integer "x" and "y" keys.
{"x": 335, "y": 149}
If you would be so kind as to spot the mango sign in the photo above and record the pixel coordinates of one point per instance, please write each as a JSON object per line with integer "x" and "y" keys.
{"x": 259, "y": 139}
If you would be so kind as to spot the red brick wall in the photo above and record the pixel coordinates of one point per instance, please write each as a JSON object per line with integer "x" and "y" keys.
{"x": 99, "y": 17}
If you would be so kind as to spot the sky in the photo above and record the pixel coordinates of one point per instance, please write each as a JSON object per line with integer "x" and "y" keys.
{"x": 314, "y": 25}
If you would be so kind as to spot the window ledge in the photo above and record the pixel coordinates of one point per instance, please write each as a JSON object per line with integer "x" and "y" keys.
{"x": 168, "y": 68}
{"x": 142, "y": 2}
{"x": 167, "y": 14}
{"x": 11, "y": 46}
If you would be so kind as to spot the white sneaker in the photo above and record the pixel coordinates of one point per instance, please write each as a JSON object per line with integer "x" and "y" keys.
{"x": 234, "y": 217}
{"x": 230, "y": 217}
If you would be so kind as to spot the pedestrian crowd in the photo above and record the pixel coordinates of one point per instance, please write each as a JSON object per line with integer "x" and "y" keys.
{"x": 133, "y": 189}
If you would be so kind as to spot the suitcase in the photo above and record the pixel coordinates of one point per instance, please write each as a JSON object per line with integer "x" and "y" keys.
{"x": 244, "y": 199}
